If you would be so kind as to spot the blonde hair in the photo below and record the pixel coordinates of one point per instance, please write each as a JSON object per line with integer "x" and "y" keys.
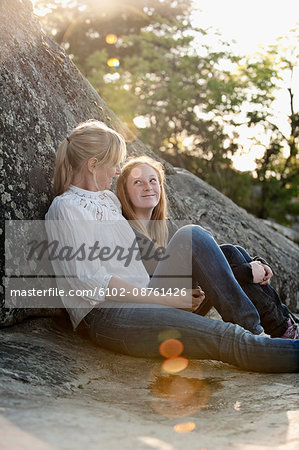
{"x": 158, "y": 229}
{"x": 91, "y": 139}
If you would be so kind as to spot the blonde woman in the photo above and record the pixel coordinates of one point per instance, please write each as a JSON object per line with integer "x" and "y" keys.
{"x": 115, "y": 300}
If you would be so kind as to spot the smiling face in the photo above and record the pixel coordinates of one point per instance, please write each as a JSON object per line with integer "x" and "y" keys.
{"x": 144, "y": 190}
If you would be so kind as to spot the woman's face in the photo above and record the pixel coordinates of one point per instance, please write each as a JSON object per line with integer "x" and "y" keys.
{"x": 104, "y": 176}
{"x": 143, "y": 188}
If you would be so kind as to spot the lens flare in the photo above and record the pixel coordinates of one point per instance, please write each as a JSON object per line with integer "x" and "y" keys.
{"x": 169, "y": 334}
{"x": 177, "y": 396}
{"x": 175, "y": 365}
{"x": 111, "y": 38}
{"x": 113, "y": 62}
{"x": 171, "y": 348}
{"x": 184, "y": 427}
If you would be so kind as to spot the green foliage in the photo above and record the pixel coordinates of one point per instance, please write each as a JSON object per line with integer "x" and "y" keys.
{"x": 277, "y": 171}
{"x": 190, "y": 104}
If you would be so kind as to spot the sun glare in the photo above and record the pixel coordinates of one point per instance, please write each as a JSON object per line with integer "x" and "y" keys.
{"x": 141, "y": 122}
{"x": 247, "y": 26}
{"x": 251, "y": 25}
{"x": 40, "y": 11}
{"x": 248, "y": 23}
{"x": 184, "y": 427}
{"x": 111, "y": 39}
{"x": 244, "y": 163}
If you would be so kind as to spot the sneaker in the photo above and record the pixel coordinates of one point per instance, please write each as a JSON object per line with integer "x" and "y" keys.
{"x": 292, "y": 332}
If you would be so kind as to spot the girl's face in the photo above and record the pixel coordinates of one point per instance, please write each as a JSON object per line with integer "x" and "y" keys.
{"x": 143, "y": 188}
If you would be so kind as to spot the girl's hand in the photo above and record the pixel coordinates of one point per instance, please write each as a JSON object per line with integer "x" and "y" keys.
{"x": 258, "y": 272}
{"x": 261, "y": 272}
{"x": 268, "y": 274}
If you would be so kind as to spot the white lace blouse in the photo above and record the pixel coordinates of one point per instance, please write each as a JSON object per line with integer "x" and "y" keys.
{"x": 95, "y": 243}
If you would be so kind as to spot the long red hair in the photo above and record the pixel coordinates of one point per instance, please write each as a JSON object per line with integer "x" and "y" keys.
{"x": 157, "y": 230}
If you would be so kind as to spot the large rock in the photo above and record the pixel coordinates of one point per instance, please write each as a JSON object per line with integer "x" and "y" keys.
{"x": 232, "y": 224}
{"x": 81, "y": 396}
{"x": 58, "y": 390}
{"x": 43, "y": 95}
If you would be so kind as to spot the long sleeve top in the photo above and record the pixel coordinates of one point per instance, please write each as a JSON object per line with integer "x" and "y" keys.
{"x": 95, "y": 242}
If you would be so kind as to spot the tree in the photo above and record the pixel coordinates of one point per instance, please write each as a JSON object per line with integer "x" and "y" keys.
{"x": 277, "y": 172}
{"x": 175, "y": 89}
{"x": 161, "y": 77}
{"x": 188, "y": 106}
{"x": 81, "y": 26}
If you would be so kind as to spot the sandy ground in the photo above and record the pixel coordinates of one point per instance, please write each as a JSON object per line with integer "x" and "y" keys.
{"x": 58, "y": 391}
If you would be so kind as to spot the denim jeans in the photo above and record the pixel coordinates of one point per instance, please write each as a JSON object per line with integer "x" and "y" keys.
{"x": 136, "y": 329}
{"x": 273, "y": 313}
{"x": 193, "y": 249}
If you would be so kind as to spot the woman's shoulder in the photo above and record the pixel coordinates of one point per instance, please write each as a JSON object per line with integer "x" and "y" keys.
{"x": 65, "y": 206}
{"x": 114, "y": 199}
{"x": 76, "y": 205}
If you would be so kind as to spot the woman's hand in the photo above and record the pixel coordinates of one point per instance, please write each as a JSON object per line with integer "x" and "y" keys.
{"x": 261, "y": 273}
{"x": 187, "y": 299}
{"x": 198, "y": 297}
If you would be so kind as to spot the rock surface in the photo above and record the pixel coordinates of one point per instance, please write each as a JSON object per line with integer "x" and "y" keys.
{"x": 86, "y": 397}
{"x": 58, "y": 391}
{"x": 43, "y": 95}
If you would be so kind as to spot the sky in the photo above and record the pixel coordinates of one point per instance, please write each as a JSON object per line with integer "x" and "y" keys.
{"x": 250, "y": 24}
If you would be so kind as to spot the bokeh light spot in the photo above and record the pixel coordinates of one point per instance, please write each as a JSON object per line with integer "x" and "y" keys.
{"x": 171, "y": 348}
{"x": 169, "y": 334}
{"x": 184, "y": 427}
{"x": 113, "y": 62}
{"x": 175, "y": 365}
{"x": 178, "y": 395}
{"x": 111, "y": 38}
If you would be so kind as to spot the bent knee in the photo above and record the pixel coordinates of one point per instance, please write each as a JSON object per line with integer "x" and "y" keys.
{"x": 198, "y": 231}
{"x": 193, "y": 233}
{"x": 228, "y": 248}
{"x": 230, "y": 252}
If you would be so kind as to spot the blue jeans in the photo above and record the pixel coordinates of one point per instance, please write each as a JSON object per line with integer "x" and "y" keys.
{"x": 136, "y": 329}
{"x": 193, "y": 251}
{"x": 273, "y": 313}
